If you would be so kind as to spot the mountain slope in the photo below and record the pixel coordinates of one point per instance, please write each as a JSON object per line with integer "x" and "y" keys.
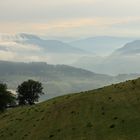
{"x": 56, "y": 79}
{"x": 107, "y": 49}
{"x": 109, "y": 113}
{"x": 130, "y": 48}
{"x": 50, "y": 46}
{"x": 30, "y": 48}
{"x": 101, "y": 45}
{"x": 127, "y": 58}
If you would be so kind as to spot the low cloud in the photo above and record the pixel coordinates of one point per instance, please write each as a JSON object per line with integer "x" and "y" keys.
{"x": 10, "y": 50}
{"x": 13, "y": 46}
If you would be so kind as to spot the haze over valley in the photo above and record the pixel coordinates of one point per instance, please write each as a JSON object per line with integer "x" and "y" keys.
{"x": 69, "y": 70}
{"x": 96, "y": 54}
{"x": 50, "y": 61}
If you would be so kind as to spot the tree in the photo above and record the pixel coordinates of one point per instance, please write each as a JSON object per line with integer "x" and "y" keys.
{"x": 29, "y": 92}
{"x": 6, "y": 97}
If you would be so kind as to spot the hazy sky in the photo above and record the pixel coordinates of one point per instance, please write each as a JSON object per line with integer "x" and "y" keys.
{"x": 74, "y": 18}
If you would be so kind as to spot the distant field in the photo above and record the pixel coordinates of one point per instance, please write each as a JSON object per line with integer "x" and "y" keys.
{"x": 109, "y": 113}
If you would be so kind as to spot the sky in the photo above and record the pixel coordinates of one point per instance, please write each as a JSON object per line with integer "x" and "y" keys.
{"x": 71, "y": 18}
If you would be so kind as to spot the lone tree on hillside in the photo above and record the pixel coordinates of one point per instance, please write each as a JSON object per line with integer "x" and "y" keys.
{"x": 29, "y": 92}
{"x": 6, "y": 97}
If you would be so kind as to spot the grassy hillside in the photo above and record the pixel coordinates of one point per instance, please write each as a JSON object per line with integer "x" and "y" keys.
{"x": 109, "y": 113}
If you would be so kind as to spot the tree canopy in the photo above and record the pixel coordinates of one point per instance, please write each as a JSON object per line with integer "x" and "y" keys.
{"x": 29, "y": 92}
{"x": 6, "y": 97}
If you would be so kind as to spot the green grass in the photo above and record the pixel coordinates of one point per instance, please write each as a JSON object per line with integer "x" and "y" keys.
{"x": 109, "y": 113}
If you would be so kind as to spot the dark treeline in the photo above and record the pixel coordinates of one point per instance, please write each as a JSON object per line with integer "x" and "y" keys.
{"x": 38, "y": 68}
{"x": 27, "y": 94}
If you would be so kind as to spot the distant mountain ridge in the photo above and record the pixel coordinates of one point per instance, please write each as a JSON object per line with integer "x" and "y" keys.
{"x": 123, "y": 60}
{"x": 101, "y": 44}
{"x": 50, "y": 46}
{"x": 29, "y": 48}
{"x": 57, "y": 79}
{"x": 130, "y": 48}
{"x": 84, "y": 53}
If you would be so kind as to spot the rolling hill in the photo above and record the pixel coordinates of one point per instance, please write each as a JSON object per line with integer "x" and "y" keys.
{"x": 109, "y": 113}
{"x": 57, "y": 79}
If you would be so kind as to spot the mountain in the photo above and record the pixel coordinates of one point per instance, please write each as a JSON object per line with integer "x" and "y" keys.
{"x": 28, "y": 48}
{"x": 123, "y": 60}
{"x": 109, "y": 113}
{"x": 131, "y": 48}
{"x": 56, "y": 79}
{"x": 51, "y": 46}
{"x": 101, "y": 45}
